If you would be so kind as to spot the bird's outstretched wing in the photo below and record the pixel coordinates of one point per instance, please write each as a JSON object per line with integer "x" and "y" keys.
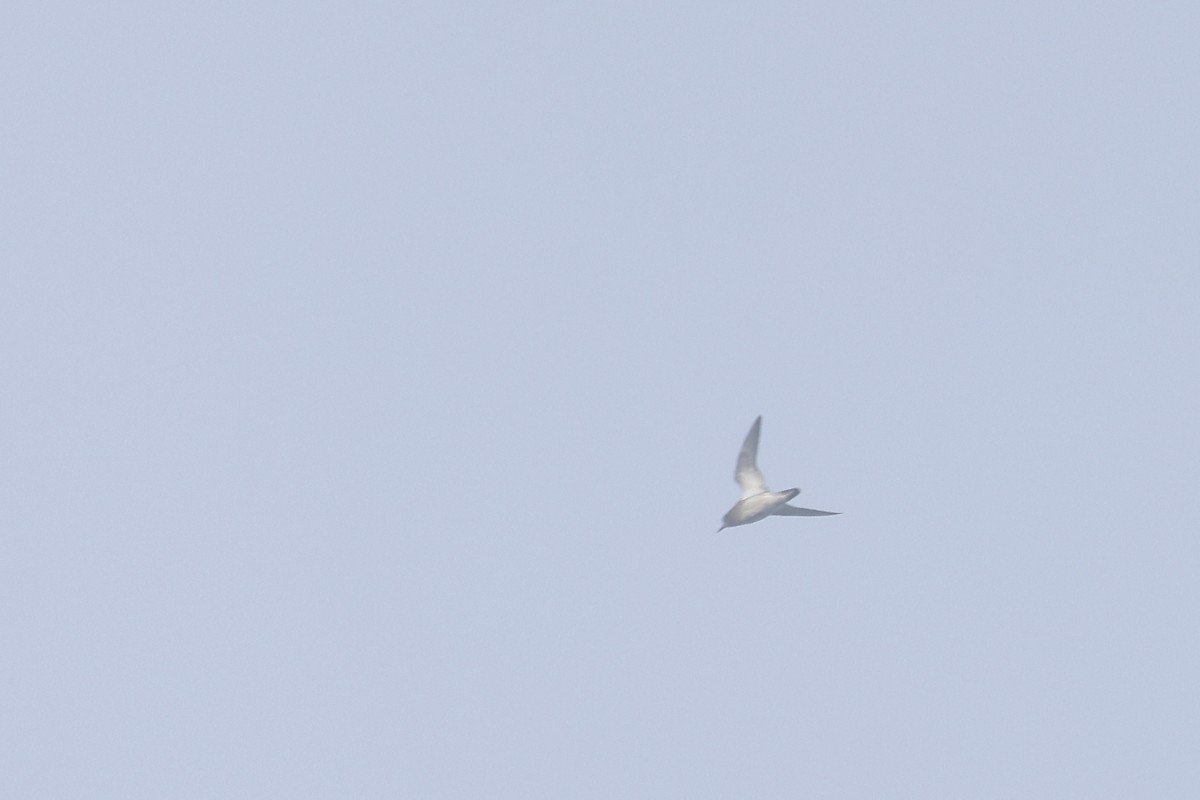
{"x": 793, "y": 511}
{"x": 746, "y": 473}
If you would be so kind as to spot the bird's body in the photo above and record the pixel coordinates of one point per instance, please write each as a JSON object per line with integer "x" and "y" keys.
{"x": 756, "y": 507}
{"x": 759, "y": 502}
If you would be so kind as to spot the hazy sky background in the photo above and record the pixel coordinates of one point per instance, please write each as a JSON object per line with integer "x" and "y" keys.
{"x": 374, "y": 376}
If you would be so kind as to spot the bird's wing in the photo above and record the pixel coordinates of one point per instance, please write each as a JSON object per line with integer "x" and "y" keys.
{"x": 793, "y": 511}
{"x": 746, "y": 473}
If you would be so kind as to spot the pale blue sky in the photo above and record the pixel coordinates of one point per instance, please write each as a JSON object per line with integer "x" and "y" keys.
{"x": 375, "y": 374}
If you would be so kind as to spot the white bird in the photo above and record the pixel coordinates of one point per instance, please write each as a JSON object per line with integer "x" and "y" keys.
{"x": 759, "y": 502}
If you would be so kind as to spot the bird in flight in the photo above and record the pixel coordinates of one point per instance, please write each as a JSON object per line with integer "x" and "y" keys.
{"x": 759, "y": 502}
